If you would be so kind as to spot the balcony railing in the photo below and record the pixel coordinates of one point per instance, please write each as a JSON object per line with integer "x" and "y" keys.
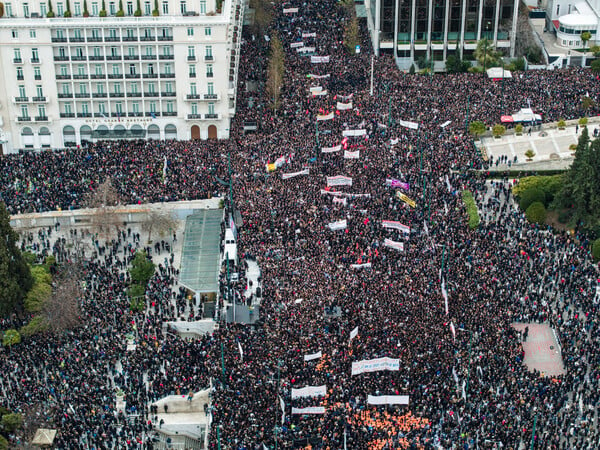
{"x": 114, "y": 76}
{"x": 210, "y": 96}
{"x": 99, "y": 95}
{"x": 98, "y": 76}
{"x": 211, "y": 116}
{"x": 209, "y": 75}
{"x": 67, "y": 115}
{"x": 76, "y": 39}
{"x": 112, "y": 39}
{"x": 82, "y": 95}
{"x": 134, "y": 94}
{"x": 78, "y": 58}
{"x": 17, "y": 60}
{"x": 39, "y": 99}
{"x": 41, "y": 118}
{"x": 131, "y": 57}
{"x": 60, "y": 58}
{"x": 65, "y": 95}
{"x": 21, "y": 99}
{"x": 148, "y": 57}
{"x": 170, "y": 114}
{"x": 147, "y": 38}
{"x": 194, "y": 116}
{"x": 82, "y": 114}
{"x": 166, "y": 57}
{"x": 132, "y": 75}
{"x": 113, "y": 57}
{"x": 82, "y": 76}
{"x": 149, "y": 114}
{"x": 134, "y": 114}
{"x": 209, "y": 58}
{"x": 94, "y": 39}
{"x": 167, "y": 75}
{"x": 168, "y": 94}
{"x": 20, "y": 77}
{"x": 117, "y": 95}
{"x": 150, "y": 94}
{"x": 96, "y": 58}
{"x": 37, "y": 77}
{"x": 191, "y": 58}
{"x": 63, "y": 77}
{"x": 35, "y": 61}
{"x": 58, "y": 39}
{"x": 150, "y": 75}
{"x": 165, "y": 38}
{"x": 193, "y": 96}
{"x": 130, "y": 38}
{"x": 23, "y": 119}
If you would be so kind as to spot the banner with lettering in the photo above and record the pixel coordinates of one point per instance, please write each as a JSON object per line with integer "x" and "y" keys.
{"x": 339, "y": 225}
{"x": 285, "y": 176}
{"x": 360, "y": 266}
{"x": 309, "y": 410}
{"x": 408, "y": 124}
{"x": 397, "y": 184}
{"x": 296, "y": 44}
{"x": 345, "y": 98}
{"x": 395, "y": 226}
{"x": 355, "y": 133}
{"x": 310, "y": 391}
{"x": 306, "y": 50}
{"x": 315, "y": 89}
{"x": 375, "y": 365}
{"x": 394, "y": 244}
{"x": 309, "y": 35}
{"x": 319, "y": 59}
{"x": 344, "y": 106}
{"x": 336, "y": 148}
{"x": 318, "y": 77}
{"x": 290, "y": 10}
{"x": 342, "y": 200}
{"x": 354, "y": 333}
{"x": 321, "y": 94}
{"x": 313, "y": 356}
{"x": 339, "y": 181}
{"x": 387, "y": 399}
{"x": 351, "y": 155}
{"x": 329, "y": 116}
{"x": 409, "y": 201}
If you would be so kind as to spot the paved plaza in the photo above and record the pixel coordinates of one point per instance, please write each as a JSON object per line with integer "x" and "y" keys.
{"x": 542, "y": 351}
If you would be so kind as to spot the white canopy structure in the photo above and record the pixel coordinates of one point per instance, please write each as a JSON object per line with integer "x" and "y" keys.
{"x": 498, "y": 72}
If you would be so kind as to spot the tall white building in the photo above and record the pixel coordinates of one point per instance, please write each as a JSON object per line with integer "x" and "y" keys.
{"x": 132, "y": 74}
{"x": 570, "y": 19}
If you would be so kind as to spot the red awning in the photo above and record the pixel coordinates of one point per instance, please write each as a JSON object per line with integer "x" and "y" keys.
{"x": 556, "y": 24}
{"x": 506, "y": 119}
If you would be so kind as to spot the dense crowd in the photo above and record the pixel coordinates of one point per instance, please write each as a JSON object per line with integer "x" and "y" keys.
{"x": 462, "y": 368}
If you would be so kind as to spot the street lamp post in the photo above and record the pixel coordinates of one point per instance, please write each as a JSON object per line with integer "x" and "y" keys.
{"x": 487, "y": 26}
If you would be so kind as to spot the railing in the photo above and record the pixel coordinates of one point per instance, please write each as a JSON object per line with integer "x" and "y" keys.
{"x": 21, "y": 99}
{"x": 94, "y": 39}
{"x": 41, "y": 118}
{"x": 150, "y": 75}
{"x": 78, "y": 58}
{"x": 148, "y": 57}
{"x": 166, "y": 57}
{"x": 65, "y": 95}
{"x": 115, "y": 76}
{"x": 131, "y": 57}
{"x": 211, "y": 116}
{"x": 165, "y": 38}
{"x": 98, "y": 76}
{"x": 193, "y": 96}
{"x": 167, "y": 75}
{"x": 130, "y": 38}
{"x": 39, "y": 99}
{"x": 80, "y": 77}
{"x": 170, "y": 114}
{"x": 168, "y": 94}
{"x": 147, "y": 38}
{"x": 194, "y": 116}
{"x": 96, "y": 58}
{"x": 211, "y": 96}
{"x": 67, "y": 115}
{"x": 99, "y": 95}
{"x": 82, "y": 95}
{"x": 150, "y": 94}
{"x": 117, "y": 95}
{"x": 134, "y": 94}
{"x": 58, "y": 39}
{"x": 17, "y": 60}
{"x": 24, "y": 119}
{"x": 112, "y": 39}
{"x": 20, "y": 77}
{"x": 84, "y": 114}
{"x": 113, "y": 57}
{"x": 209, "y": 58}
{"x": 132, "y": 75}
{"x": 35, "y": 61}
{"x": 76, "y": 39}
{"x": 63, "y": 77}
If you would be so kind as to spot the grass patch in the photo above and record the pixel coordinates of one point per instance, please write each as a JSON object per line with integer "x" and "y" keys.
{"x": 472, "y": 210}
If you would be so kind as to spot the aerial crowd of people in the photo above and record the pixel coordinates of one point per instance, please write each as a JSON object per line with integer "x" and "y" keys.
{"x": 318, "y": 189}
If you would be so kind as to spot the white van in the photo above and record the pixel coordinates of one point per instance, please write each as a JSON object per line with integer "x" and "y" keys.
{"x": 230, "y": 247}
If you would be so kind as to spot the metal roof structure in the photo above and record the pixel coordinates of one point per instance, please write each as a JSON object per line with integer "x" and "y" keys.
{"x": 200, "y": 257}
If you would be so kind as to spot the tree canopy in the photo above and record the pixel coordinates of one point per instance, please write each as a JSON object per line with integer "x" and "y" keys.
{"x": 15, "y": 276}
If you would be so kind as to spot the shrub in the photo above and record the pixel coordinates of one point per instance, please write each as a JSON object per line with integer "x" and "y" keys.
{"x": 596, "y": 249}
{"x": 141, "y": 269}
{"x": 12, "y": 422}
{"x": 10, "y": 338}
{"x": 477, "y": 128}
{"x": 136, "y": 290}
{"x": 536, "y": 213}
{"x": 498, "y": 130}
{"x": 550, "y": 184}
{"x": 564, "y": 217}
{"x": 412, "y": 69}
{"x": 3, "y": 441}
{"x": 36, "y": 325}
{"x": 472, "y": 211}
{"x": 529, "y": 153}
{"x": 583, "y": 121}
{"x": 530, "y": 196}
{"x": 519, "y": 128}
{"x": 561, "y": 124}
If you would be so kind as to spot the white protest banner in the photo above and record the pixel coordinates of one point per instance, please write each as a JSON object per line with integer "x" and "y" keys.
{"x": 394, "y": 141}
{"x": 337, "y": 148}
{"x": 343, "y": 201}
{"x": 351, "y": 155}
{"x": 360, "y": 266}
{"x": 290, "y": 10}
{"x": 306, "y": 50}
{"x": 285, "y": 176}
{"x": 395, "y": 225}
{"x": 344, "y": 106}
{"x": 375, "y": 365}
{"x": 453, "y": 331}
{"x": 387, "y": 400}
{"x": 445, "y": 295}
{"x": 309, "y": 35}
{"x": 345, "y": 98}
{"x": 408, "y": 124}
{"x": 282, "y": 404}
{"x": 313, "y": 356}
{"x": 309, "y": 391}
{"x": 315, "y": 89}
{"x": 339, "y": 181}
{"x": 280, "y": 161}
{"x": 241, "y": 351}
{"x": 446, "y": 123}
{"x": 318, "y": 77}
{"x": 309, "y": 410}
{"x": 394, "y": 244}
{"x": 448, "y": 185}
{"x": 296, "y": 44}
{"x": 319, "y": 59}
{"x": 321, "y": 93}
{"x": 361, "y": 132}
{"x": 329, "y": 116}
{"x": 344, "y": 194}
{"x": 397, "y": 184}
{"x": 339, "y": 225}
{"x": 354, "y": 333}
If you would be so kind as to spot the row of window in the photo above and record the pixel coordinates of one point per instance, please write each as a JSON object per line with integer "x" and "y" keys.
{"x": 111, "y": 33}
{"x": 37, "y": 73}
{"x": 63, "y": 72}
{"x": 80, "y": 52}
{"x": 41, "y": 112}
{"x": 129, "y": 8}
{"x": 118, "y": 107}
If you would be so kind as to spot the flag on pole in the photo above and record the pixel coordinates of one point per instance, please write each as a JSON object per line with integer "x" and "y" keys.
{"x": 164, "y": 173}
{"x": 354, "y": 333}
{"x": 241, "y": 351}
{"x": 453, "y": 331}
{"x": 445, "y": 295}
{"x": 282, "y": 404}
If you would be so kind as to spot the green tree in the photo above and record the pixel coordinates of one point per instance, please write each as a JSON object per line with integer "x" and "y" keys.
{"x": 12, "y": 422}
{"x": 456, "y": 65}
{"x": 275, "y": 73}
{"x": 50, "y": 12}
{"x": 141, "y": 269}
{"x": 519, "y": 129}
{"x": 351, "y": 35}
{"x": 40, "y": 291}
{"x": 585, "y": 37}
{"x": 498, "y": 130}
{"x": 583, "y": 121}
{"x": 86, "y": 13}
{"x": 530, "y": 196}
{"x": 581, "y": 190}
{"x": 412, "y": 69}
{"x": 263, "y": 16}
{"x": 67, "y": 12}
{"x": 536, "y": 213}
{"x": 138, "y": 11}
{"x": 121, "y": 11}
{"x": 15, "y": 276}
{"x": 595, "y": 66}
{"x": 596, "y": 249}
{"x": 36, "y": 325}
{"x": 486, "y": 54}
{"x": 103, "y": 10}
{"x": 477, "y": 128}
{"x": 155, "y": 11}
{"x": 561, "y": 124}
{"x": 10, "y": 338}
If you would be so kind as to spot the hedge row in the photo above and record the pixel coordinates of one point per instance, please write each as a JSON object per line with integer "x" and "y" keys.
{"x": 472, "y": 211}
